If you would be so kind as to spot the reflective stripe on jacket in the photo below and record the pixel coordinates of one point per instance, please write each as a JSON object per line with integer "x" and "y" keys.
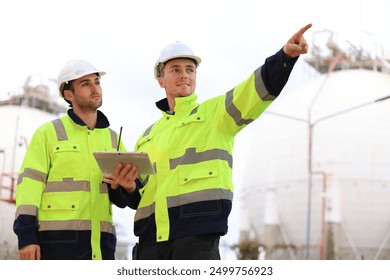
{"x": 60, "y": 186}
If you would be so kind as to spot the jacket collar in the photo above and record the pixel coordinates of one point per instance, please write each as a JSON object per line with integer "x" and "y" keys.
{"x": 102, "y": 121}
{"x": 182, "y": 104}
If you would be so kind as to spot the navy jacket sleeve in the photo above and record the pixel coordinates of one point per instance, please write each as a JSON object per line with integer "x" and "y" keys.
{"x": 121, "y": 198}
{"x": 26, "y": 228}
{"x": 276, "y": 71}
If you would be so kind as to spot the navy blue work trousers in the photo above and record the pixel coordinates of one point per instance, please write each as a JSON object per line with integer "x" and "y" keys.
{"x": 198, "y": 247}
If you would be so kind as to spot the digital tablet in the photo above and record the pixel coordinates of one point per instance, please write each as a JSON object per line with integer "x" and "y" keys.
{"x": 108, "y": 161}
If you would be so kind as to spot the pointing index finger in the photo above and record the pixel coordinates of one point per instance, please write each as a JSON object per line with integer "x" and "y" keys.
{"x": 301, "y": 31}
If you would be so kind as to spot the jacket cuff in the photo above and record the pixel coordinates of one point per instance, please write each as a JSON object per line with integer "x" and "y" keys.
{"x": 276, "y": 72}
{"x": 26, "y": 228}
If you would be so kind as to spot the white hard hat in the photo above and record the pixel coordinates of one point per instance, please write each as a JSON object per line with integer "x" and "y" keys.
{"x": 174, "y": 50}
{"x": 73, "y": 70}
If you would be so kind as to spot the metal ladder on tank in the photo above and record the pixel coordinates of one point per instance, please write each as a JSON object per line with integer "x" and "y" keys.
{"x": 8, "y": 183}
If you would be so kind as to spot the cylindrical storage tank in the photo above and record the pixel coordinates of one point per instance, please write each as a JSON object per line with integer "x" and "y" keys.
{"x": 339, "y": 208}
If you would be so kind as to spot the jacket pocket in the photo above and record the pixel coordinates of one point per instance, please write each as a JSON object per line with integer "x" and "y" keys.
{"x": 60, "y": 201}
{"x": 191, "y": 174}
{"x": 199, "y": 194}
{"x": 65, "y": 146}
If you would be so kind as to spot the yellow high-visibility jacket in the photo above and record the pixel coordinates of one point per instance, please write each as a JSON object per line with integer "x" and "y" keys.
{"x": 191, "y": 149}
{"x": 62, "y": 204}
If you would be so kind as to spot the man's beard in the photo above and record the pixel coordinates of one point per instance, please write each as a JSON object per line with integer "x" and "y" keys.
{"x": 88, "y": 105}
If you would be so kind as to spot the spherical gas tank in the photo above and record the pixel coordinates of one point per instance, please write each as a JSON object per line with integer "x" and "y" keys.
{"x": 317, "y": 169}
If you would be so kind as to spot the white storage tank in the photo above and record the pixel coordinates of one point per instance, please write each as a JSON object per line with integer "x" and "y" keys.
{"x": 316, "y": 183}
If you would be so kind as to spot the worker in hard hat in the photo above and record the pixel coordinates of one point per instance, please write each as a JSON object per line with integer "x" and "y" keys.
{"x": 62, "y": 198}
{"x": 183, "y": 209}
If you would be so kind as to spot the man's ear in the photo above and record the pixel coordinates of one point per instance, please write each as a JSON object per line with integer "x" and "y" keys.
{"x": 68, "y": 95}
{"x": 160, "y": 82}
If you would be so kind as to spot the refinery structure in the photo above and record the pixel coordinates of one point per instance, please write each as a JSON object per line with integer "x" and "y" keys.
{"x": 317, "y": 183}
{"x": 21, "y": 114}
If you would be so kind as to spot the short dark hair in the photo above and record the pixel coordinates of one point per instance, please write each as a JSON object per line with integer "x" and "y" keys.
{"x": 67, "y": 86}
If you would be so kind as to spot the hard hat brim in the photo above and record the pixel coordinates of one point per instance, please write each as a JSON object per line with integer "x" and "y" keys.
{"x": 101, "y": 73}
{"x": 193, "y": 57}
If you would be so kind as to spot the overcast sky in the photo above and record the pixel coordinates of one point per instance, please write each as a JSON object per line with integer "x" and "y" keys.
{"x": 124, "y": 38}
